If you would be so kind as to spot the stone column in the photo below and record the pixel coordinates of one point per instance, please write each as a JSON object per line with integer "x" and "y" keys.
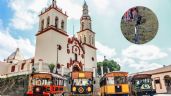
{"x": 83, "y": 67}
{"x": 108, "y": 71}
{"x": 101, "y": 70}
{"x": 164, "y": 90}
{"x": 40, "y": 65}
{"x": 94, "y": 72}
{"x": 62, "y": 69}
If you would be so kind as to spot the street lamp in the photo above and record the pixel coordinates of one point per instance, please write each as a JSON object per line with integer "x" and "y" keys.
{"x": 57, "y": 63}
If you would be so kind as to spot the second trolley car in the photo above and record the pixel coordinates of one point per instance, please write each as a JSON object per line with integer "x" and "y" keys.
{"x": 82, "y": 83}
{"x": 141, "y": 84}
{"x": 45, "y": 84}
{"x": 114, "y": 84}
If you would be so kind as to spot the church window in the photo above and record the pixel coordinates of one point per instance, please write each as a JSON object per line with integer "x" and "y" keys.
{"x": 48, "y": 21}
{"x": 84, "y": 39}
{"x": 82, "y": 25}
{"x": 89, "y": 39}
{"x": 42, "y": 24}
{"x": 75, "y": 57}
{"x": 22, "y": 66}
{"x": 13, "y": 68}
{"x": 62, "y": 24}
{"x": 56, "y": 22}
{"x": 92, "y": 40}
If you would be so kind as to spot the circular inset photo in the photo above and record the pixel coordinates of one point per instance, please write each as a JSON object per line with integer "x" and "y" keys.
{"x": 139, "y": 25}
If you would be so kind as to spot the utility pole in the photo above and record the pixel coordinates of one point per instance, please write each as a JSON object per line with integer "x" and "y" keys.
{"x": 57, "y": 60}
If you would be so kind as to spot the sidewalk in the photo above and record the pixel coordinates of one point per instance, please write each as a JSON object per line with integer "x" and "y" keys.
{"x": 163, "y": 95}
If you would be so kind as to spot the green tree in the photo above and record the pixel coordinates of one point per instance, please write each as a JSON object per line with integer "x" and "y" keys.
{"x": 51, "y": 67}
{"x": 111, "y": 64}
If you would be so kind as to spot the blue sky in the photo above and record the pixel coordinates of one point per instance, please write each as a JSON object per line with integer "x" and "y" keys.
{"x": 19, "y": 24}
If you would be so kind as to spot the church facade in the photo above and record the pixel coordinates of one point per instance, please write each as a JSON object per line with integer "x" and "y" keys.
{"x": 55, "y": 46}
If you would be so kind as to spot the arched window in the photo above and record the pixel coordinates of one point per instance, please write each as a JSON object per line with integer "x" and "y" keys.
{"x": 42, "y": 24}
{"x": 22, "y": 66}
{"x": 92, "y": 40}
{"x": 84, "y": 39}
{"x": 82, "y": 25}
{"x": 62, "y": 24}
{"x": 89, "y": 39}
{"x": 75, "y": 57}
{"x": 56, "y": 22}
{"x": 13, "y": 68}
{"x": 48, "y": 21}
{"x": 90, "y": 25}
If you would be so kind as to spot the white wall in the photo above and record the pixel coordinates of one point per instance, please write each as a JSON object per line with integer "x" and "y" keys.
{"x": 162, "y": 82}
{"x": 90, "y": 52}
{"x": 4, "y": 68}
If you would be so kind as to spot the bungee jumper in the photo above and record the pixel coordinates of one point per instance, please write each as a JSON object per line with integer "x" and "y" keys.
{"x": 137, "y": 26}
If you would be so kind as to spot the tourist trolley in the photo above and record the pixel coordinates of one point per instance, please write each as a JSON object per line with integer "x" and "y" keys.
{"x": 45, "y": 84}
{"x": 114, "y": 84}
{"x": 141, "y": 84}
{"x": 82, "y": 83}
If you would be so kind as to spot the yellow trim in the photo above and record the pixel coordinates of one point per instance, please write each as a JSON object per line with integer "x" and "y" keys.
{"x": 110, "y": 89}
{"x": 81, "y": 75}
{"x": 73, "y": 88}
{"x": 89, "y": 89}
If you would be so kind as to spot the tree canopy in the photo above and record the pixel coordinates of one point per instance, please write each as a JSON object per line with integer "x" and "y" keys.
{"x": 110, "y": 65}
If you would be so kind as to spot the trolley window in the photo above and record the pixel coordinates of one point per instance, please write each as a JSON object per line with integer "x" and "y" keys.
{"x": 82, "y": 82}
{"x": 120, "y": 80}
{"x": 41, "y": 82}
{"x": 145, "y": 83}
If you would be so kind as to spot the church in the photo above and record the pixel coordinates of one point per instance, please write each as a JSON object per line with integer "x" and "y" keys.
{"x": 55, "y": 46}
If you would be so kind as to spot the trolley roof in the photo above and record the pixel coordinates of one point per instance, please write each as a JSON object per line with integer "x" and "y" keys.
{"x": 116, "y": 73}
{"x": 140, "y": 76}
{"x": 82, "y": 74}
{"x": 47, "y": 75}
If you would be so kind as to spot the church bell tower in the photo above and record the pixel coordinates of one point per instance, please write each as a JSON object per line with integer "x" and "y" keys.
{"x": 51, "y": 38}
{"x": 87, "y": 38}
{"x": 86, "y": 35}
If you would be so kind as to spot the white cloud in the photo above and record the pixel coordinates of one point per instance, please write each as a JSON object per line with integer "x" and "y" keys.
{"x": 141, "y": 57}
{"x": 135, "y": 57}
{"x": 104, "y": 50}
{"x": 26, "y": 11}
{"x": 136, "y": 66}
{"x": 123, "y": 61}
{"x": 101, "y": 4}
{"x": 74, "y": 10}
{"x": 144, "y": 52}
{"x": 144, "y": 66}
{"x": 8, "y": 44}
{"x": 118, "y": 7}
{"x": 100, "y": 57}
